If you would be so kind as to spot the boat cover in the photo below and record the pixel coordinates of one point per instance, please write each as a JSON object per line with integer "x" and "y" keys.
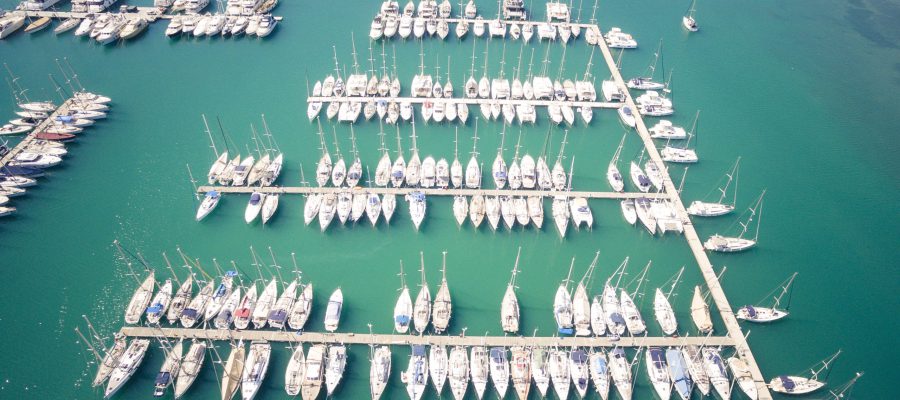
{"x": 163, "y": 378}
{"x": 579, "y": 356}
{"x": 418, "y": 351}
{"x": 498, "y": 354}
{"x": 402, "y": 319}
{"x": 278, "y": 315}
{"x": 189, "y": 313}
{"x": 787, "y": 382}
{"x": 751, "y": 311}
{"x": 656, "y": 355}
{"x": 254, "y": 198}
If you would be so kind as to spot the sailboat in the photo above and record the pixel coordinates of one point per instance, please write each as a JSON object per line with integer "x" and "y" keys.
{"x": 480, "y": 369}
{"x": 416, "y": 375}
{"x": 226, "y": 313}
{"x": 323, "y": 170}
{"x": 335, "y": 364}
{"x": 473, "y": 169}
{"x": 579, "y": 369}
{"x": 438, "y": 363}
{"x": 581, "y": 306}
{"x": 715, "y": 370}
{"x": 558, "y": 175}
{"x": 313, "y": 376}
{"x": 742, "y": 375}
{"x": 600, "y": 373}
{"x": 278, "y": 315}
{"x": 790, "y": 384}
{"x": 181, "y": 299}
{"x": 688, "y": 20}
{"x": 264, "y": 304}
{"x": 140, "y": 299}
{"x": 498, "y": 169}
{"x": 768, "y": 314}
{"x": 536, "y": 210}
{"x": 540, "y": 371}
{"x": 255, "y": 368}
{"x": 302, "y": 308}
{"x": 657, "y": 371}
{"x": 443, "y": 306}
{"x": 219, "y": 296}
{"x": 339, "y": 169}
{"x": 620, "y": 370}
{"x": 166, "y": 375}
{"x": 459, "y": 372}
{"x": 383, "y": 170}
{"x": 682, "y": 155}
{"x": 679, "y": 373}
{"x": 633, "y": 319}
{"x": 499, "y": 367}
{"x": 843, "y": 390}
{"x": 520, "y": 371}
{"x": 559, "y": 373}
{"x": 562, "y": 304}
{"x": 509, "y": 307}
{"x": 460, "y": 209}
{"x": 128, "y": 363}
{"x": 612, "y": 171}
{"x": 729, "y": 244}
{"x": 477, "y": 210}
{"x": 713, "y": 209}
{"x": 417, "y": 207}
{"x": 293, "y": 375}
{"x": 422, "y": 308}
{"x": 662, "y": 309}
{"x": 414, "y": 166}
{"x": 194, "y": 312}
{"x": 646, "y": 82}
{"x": 234, "y": 370}
{"x": 398, "y": 170}
{"x": 403, "y": 310}
{"x": 560, "y": 208}
{"x": 380, "y": 371}
{"x": 700, "y": 312}
{"x": 190, "y": 367}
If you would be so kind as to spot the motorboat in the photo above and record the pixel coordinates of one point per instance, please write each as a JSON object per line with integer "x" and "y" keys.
{"x": 333, "y": 311}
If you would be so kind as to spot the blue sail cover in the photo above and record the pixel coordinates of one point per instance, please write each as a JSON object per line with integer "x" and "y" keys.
{"x": 278, "y": 315}
{"x": 189, "y": 313}
{"x": 657, "y": 356}
{"x": 163, "y": 379}
{"x": 617, "y": 319}
{"x": 787, "y": 382}
{"x": 254, "y": 198}
{"x": 498, "y": 354}
{"x": 65, "y": 118}
{"x": 154, "y": 309}
{"x": 231, "y": 274}
{"x": 678, "y": 371}
{"x": 566, "y": 331}
{"x": 751, "y": 311}
{"x": 212, "y": 194}
{"x": 600, "y": 365}
{"x": 418, "y": 351}
{"x": 579, "y": 356}
{"x": 643, "y": 180}
{"x": 402, "y": 319}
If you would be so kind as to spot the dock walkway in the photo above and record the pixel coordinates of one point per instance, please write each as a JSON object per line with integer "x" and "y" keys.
{"x": 429, "y": 192}
{"x": 26, "y": 141}
{"x": 696, "y": 245}
{"x": 392, "y": 339}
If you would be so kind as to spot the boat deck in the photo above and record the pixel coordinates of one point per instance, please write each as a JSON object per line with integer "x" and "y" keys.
{"x": 429, "y": 192}
{"x": 408, "y": 339}
{"x": 706, "y": 268}
{"x": 13, "y": 152}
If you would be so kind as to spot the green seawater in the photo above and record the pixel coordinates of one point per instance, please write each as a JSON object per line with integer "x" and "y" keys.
{"x": 803, "y": 91}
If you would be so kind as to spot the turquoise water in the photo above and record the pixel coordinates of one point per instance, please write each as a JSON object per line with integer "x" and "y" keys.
{"x": 803, "y": 91}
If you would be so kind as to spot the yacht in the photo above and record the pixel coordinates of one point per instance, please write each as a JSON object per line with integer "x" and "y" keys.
{"x": 443, "y": 306}
{"x": 160, "y": 303}
{"x": 633, "y": 320}
{"x": 700, "y": 312}
{"x": 581, "y": 212}
{"x": 140, "y": 299}
{"x": 581, "y": 310}
{"x": 627, "y": 116}
{"x": 254, "y": 206}
{"x": 767, "y": 314}
{"x": 438, "y": 363}
{"x": 728, "y": 244}
{"x": 712, "y": 209}
{"x": 559, "y": 373}
{"x": 579, "y": 369}
{"x": 128, "y": 363}
{"x": 279, "y": 313}
{"x": 620, "y": 371}
{"x": 789, "y": 384}
{"x": 662, "y": 309}
{"x": 599, "y": 371}
{"x": 293, "y": 375}
{"x": 688, "y": 21}
{"x": 560, "y": 209}
{"x": 417, "y": 207}
{"x": 742, "y": 375}
{"x": 520, "y": 371}
{"x": 255, "y": 368}
{"x": 166, "y": 375}
{"x": 694, "y": 360}
{"x": 629, "y": 211}
{"x": 264, "y": 304}
{"x": 226, "y": 314}
{"x": 333, "y": 311}
{"x": 616, "y": 39}
{"x": 313, "y": 374}
{"x": 598, "y": 318}
{"x": 311, "y": 207}
{"x": 380, "y": 371}
{"x": 509, "y": 306}
{"x": 715, "y": 370}
{"x": 480, "y": 369}
{"x": 615, "y": 323}
{"x": 540, "y": 372}
{"x": 388, "y": 205}
{"x": 664, "y": 129}
{"x": 477, "y": 210}
{"x": 302, "y": 308}
{"x": 422, "y": 306}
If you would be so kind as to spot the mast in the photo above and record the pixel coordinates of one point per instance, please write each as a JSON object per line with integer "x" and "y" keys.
{"x": 89, "y": 346}
{"x": 674, "y": 283}
{"x": 337, "y": 148}
{"x": 422, "y": 268}
{"x": 402, "y": 277}
{"x": 321, "y": 138}
{"x": 825, "y": 363}
{"x": 212, "y": 143}
{"x": 845, "y": 388}
{"x": 515, "y": 271}
{"x": 784, "y": 290}
{"x": 569, "y": 276}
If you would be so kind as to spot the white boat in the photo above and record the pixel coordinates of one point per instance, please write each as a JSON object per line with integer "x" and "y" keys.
{"x": 509, "y": 306}
{"x": 438, "y": 364}
{"x": 225, "y": 316}
{"x": 638, "y": 178}
{"x": 712, "y": 209}
{"x": 620, "y": 371}
{"x": 678, "y": 373}
{"x": 507, "y": 212}
{"x": 562, "y": 306}
{"x": 600, "y": 374}
{"x": 477, "y": 210}
{"x": 744, "y": 378}
{"x": 417, "y": 207}
{"x": 646, "y": 82}
{"x": 480, "y": 370}
{"x": 658, "y": 372}
{"x": 344, "y": 205}
{"x": 416, "y": 375}
{"x": 380, "y": 371}
{"x": 388, "y": 205}
{"x": 255, "y": 368}
{"x": 617, "y": 39}
{"x": 581, "y": 306}
{"x": 311, "y": 207}
{"x": 730, "y": 244}
{"x": 715, "y": 370}
{"x": 422, "y": 306}
{"x": 294, "y": 374}
{"x": 333, "y": 311}
{"x": 110, "y": 360}
{"x": 269, "y": 206}
{"x": 373, "y": 207}
{"x": 645, "y": 215}
{"x": 302, "y": 307}
{"x": 492, "y": 210}
{"x": 335, "y": 364}
{"x": 34, "y": 160}
{"x": 529, "y": 174}
{"x": 314, "y": 372}
{"x": 190, "y": 367}
{"x": 160, "y": 303}
{"x": 561, "y": 214}
{"x": 664, "y": 129}
{"x": 681, "y": 154}
{"x": 629, "y": 211}
{"x": 140, "y": 299}
{"x": 544, "y": 177}
{"x": 627, "y": 115}
{"x": 694, "y": 363}
{"x": 688, "y": 21}
{"x": 579, "y": 370}
{"x": 559, "y": 373}
{"x": 499, "y": 370}
{"x": 539, "y": 370}
{"x": 768, "y": 314}
{"x": 428, "y": 173}
{"x": 327, "y": 210}
{"x": 598, "y": 318}
{"x": 478, "y": 26}
{"x": 264, "y": 303}
{"x": 790, "y": 384}
{"x": 443, "y": 306}
{"x": 700, "y": 312}
{"x": 254, "y": 206}
{"x": 279, "y": 313}
{"x": 581, "y": 212}
{"x": 527, "y": 32}
{"x": 632, "y": 315}
{"x": 128, "y": 363}
{"x": 166, "y": 375}
{"x": 458, "y": 372}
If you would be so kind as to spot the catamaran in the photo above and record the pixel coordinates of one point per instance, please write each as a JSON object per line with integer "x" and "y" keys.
{"x": 707, "y": 209}
{"x": 459, "y": 372}
{"x": 509, "y": 307}
{"x": 682, "y": 154}
{"x": 443, "y": 306}
{"x": 255, "y": 369}
{"x": 790, "y": 384}
{"x": 422, "y": 307}
{"x": 728, "y": 244}
{"x": 768, "y": 314}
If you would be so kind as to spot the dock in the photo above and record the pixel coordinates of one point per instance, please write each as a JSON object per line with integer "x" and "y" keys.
{"x": 29, "y": 138}
{"x": 427, "y": 340}
{"x": 429, "y": 192}
{"x": 706, "y": 268}
{"x": 465, "y": 100}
